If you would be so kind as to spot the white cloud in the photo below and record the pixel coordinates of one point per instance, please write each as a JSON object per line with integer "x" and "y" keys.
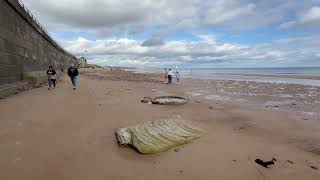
{"x": 107, "y": 17}
{"x": 223, "y": 11}
{"x": 129, "y": 52}
{"x": 310, "y": 18}
{"x": 117, "y": 24}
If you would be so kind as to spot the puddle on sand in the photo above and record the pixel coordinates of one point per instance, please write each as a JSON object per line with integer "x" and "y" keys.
{"x": 217, "y": 97}
{"x": 171, "y": 100}
{"x": 278, "y": 103}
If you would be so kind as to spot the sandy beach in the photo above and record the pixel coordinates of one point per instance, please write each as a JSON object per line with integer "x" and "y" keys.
{"x": 62, "y": 134}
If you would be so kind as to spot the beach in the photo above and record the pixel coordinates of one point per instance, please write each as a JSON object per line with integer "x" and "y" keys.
{"x": 62, "y": 134}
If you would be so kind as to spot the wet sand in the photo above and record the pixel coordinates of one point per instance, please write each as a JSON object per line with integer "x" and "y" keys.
{"x": 69, "y": 135}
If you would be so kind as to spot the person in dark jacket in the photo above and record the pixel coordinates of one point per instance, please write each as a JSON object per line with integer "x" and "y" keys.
{"x": 51, "y": 73}
{"x": 73, "y": 73}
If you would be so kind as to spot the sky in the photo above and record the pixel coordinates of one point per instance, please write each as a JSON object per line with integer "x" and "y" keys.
{"x": 185, "y": 33}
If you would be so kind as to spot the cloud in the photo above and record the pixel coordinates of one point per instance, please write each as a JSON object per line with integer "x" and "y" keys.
{"x": 310, "y": 18}
{"x": 157, "y": 32}
{"x": 129, "y": 52}
{"x": 106, "y": 18}
{"x": 154, "y": 41}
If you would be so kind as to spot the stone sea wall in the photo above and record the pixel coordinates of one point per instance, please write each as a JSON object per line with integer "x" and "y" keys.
{"x": 26, "y": 49}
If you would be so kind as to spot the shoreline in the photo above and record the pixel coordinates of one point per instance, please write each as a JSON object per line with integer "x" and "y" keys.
{"x": 301, "y": 100}
{"x": 293, "y": 76}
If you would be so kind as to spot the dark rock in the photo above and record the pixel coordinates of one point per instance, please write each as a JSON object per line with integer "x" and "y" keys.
{"x": 264, "y": 163}
{"x": 314, "y": 168}
{"x": 176, "y": 150}
{"x": 210, "y": 107}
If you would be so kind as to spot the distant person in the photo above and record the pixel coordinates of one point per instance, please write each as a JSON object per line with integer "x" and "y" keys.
{"x": 165, "y": 76}
{"x": 51, "y": 73}
{"x": 178, "y": 77}
{"x": 73, "y": 73}
{"x": 169, "y": 76}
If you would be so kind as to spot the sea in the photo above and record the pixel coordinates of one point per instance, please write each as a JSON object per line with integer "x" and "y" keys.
{"x": 241, "y": 74}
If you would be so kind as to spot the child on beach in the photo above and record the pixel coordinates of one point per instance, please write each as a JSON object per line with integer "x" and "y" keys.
{"x": 51, "y": 77}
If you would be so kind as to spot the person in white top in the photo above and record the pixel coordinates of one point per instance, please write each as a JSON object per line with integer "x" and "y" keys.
{"x": 169, "y": 76}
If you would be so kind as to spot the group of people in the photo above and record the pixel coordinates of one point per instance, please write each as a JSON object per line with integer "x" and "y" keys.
{"x": 72, "y": 73}
{"x": 168, "y": 76}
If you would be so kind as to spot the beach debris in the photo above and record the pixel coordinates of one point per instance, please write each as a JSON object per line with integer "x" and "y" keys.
{"x": 264, "y": 163}
{"x": 314, "y": 167}
{"x": 165, "y": 100}
{"x": 176, "y": 150}
{"x": 289, "y": 161}
{"x": 157, "y": 136}
{"x": 147, "y": 99}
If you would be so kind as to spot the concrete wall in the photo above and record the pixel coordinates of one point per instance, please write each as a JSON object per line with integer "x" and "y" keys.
{"x": 25, "y": 47}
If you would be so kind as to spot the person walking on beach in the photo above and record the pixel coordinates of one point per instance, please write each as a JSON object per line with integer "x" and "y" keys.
{"x": 73, "y": 73}
{"x": 169, "y": 76}
{"x": 51, "y": 73}
{"x": 165, "y": 76}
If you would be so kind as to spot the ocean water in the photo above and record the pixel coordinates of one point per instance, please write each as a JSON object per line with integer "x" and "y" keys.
{"x": 234, "y": 74}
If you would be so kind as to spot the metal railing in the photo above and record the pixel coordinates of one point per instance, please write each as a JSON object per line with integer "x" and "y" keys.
{"x": 42, "y": 28}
